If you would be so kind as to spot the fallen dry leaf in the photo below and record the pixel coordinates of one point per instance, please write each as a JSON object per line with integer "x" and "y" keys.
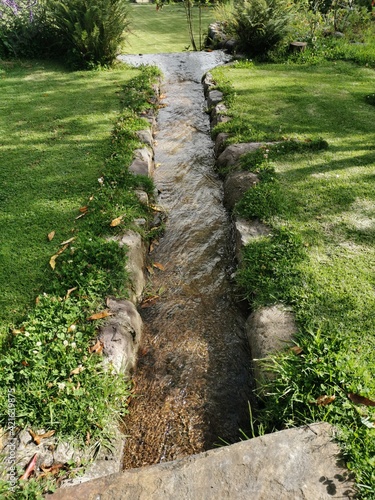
{"x": 296, "y": 349}
{"x": 51, "y": 235}
{"x": 52, "y": 261}
{"x": 156, "y": 208}
{"x": 68, "y": 241}
{"x": 77, "y": 370}
{"x": 159, "y": 266}
{"x": 52, "y": 470}
{"x": 30, "y": 468}
{"x": 99, "y": 315}
{"x": 71, "y": 290}
{"x": 37, "y": 438}
{"x": 360, "y": 400}
{"x": 117, "y": 221}
{"x": 150, "y": 270}
{"x": 97, "y": 348}
{"x": 149, "y": 302}
{"x": 325, "y": 400}
{"x": 84, "y": 209}
{"x": 16, "y": 331}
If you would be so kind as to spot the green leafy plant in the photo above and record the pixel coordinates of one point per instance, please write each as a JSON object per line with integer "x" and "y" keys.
{"x": 26, "y": 30}
{"x": 260, "y": 25}
{"x": 91, "y": 32}
{"x": 270, "y": 270}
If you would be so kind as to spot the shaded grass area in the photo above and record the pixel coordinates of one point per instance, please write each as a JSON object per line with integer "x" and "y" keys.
{"x": 164, "y": 30}
{"x": 323, "y": 204}
{"x": 54, "y": 139}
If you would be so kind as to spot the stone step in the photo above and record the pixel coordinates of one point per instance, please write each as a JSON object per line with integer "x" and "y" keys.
{"x": 299, "y": 463}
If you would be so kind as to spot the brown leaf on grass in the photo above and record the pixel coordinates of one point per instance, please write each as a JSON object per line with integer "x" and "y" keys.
{"x": 37, "y": 438}
{"x": 68, "y": 241}
{"x": 97, "y": 348}
{"x": 84, "y": 209}
{"x": 51, "y": 235}
{"x": 360, "y": 400}
{"x": 100, "y": 315}
{"x": 159, "y": 266}
{"x": 52, "y": 261}
{"x": 149, "y": 302}
{"x": 77, "y": 370}
{"x": 30, "y": 468}
{"x": 150, "y": 270}
{"x": 71, "y": 290}
{"x": 16, "y": 331}
{"x": 117, "y": 221}
{"x": 325, "y": 400}
{"x": 296, "y": 349}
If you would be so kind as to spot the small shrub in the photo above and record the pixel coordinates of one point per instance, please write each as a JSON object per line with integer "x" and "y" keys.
{"x": 26, "y": 30}
{"x": 91, "y": 31}
{"x": 260, "y": 25}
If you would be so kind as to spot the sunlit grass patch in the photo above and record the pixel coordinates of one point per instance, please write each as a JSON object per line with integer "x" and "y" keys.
{"x": 326, "y": 198}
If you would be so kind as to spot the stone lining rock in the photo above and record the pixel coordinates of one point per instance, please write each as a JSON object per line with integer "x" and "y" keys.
{"x": 135, "y": 264}
{"x": 231, "y": 155}
{"x": 214, "y": 97}
{"x": 269, "y": 330}
{"x": 220, "y": 142}
{"x": 300, "y": 463}
{"x": 235, "y": 186}
{"x": 121, "y": 336}
{"x": 245, "y": 232}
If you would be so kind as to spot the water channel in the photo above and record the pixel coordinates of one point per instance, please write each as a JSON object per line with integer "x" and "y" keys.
{"x": 193, "y": 380}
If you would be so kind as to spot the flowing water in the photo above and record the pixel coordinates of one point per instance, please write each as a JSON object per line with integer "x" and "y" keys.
{"x": 193, "y": 380}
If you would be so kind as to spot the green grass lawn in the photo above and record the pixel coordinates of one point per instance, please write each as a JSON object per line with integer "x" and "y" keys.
{"x": 326, "y": 202}
{"x": 55, "y": 127}
{"x": 164, "y": 30}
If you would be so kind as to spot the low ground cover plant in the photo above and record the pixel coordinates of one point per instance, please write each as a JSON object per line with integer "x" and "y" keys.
{"x": 320, "y": 259}
{"x": 50, "y": 359}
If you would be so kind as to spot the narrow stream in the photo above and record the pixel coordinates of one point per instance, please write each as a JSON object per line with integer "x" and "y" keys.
{"x": 193, "y": 380}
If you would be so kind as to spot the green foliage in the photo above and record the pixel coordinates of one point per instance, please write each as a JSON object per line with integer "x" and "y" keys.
{"x": 263, "y": 200}
{"x": 270, "y": 272}
{"x": 260, "y": 25}
{"x": 26, "y": 30}
{"x": 41, "y": 365}
{"x": 57, "y": 382}
{"x": 91, "y": 32}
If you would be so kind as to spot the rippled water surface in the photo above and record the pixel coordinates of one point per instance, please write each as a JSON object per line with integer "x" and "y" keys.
{"x": 193, "y": 380}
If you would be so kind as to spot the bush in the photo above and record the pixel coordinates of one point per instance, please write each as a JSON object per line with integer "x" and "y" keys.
{"x": 260, "y": 25}
{"x": 25, "y": 30}
{"x": 92, "y": 31}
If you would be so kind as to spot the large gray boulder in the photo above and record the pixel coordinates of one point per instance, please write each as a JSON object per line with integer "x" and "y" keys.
{"x": 298, "y": 464}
